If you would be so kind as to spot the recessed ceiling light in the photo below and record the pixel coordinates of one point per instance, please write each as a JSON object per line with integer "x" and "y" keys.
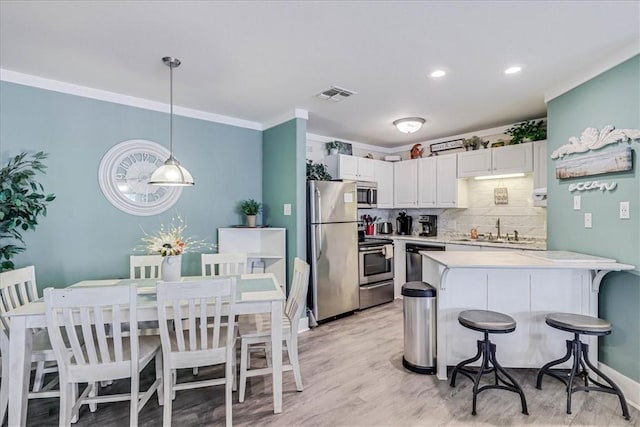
{"x": 513, "y": 70}
{"x": 438, "y": 73}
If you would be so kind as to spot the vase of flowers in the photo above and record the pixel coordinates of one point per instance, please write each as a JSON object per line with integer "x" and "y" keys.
{"x": 170, "y": 242}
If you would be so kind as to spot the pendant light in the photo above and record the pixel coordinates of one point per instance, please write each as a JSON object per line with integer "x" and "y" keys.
{"x": 409, "y": 124}
{"x": 171, "y": 174}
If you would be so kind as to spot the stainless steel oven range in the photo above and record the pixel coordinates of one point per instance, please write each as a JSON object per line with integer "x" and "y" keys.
{"x": 375, "y": 265}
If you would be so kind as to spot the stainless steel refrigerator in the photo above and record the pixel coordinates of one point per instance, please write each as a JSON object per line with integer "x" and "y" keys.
{"x": 332, "y": 216}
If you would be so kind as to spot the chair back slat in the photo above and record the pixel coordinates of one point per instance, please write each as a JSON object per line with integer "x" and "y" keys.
{"x": 86, "y": 311}
{"x": 223, "y": 264}
{"x": 101, "y": 335}
{"x": 298, "y": 292}
{"x": 87, "y": 335}
{"x": 145, "y": 266}
{"x": 199, "y": 303}
{"x": 17, "y": 287}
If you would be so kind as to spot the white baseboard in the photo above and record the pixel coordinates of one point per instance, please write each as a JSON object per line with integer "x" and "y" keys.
{"x": 629, "y": 387}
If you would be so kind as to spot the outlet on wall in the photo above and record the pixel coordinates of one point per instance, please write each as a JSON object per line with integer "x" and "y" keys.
{"x": 287, "y": 209}
{"x": 624, "y": 210}
{"x": 587, "y": 220}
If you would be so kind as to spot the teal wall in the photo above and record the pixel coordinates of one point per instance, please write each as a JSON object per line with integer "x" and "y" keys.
{"x": 612, "y": 98}
{"x": 284, "y": 180}
{"x": 83, "y": 235}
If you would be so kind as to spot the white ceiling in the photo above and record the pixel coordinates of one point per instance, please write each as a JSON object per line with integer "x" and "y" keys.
{"x": 258, "y": 61}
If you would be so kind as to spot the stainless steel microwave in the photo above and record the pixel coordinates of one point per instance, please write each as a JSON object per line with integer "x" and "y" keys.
{"x": 367, "y": 194}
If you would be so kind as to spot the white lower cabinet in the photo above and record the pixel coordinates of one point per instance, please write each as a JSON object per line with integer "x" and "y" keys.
{"x": 525, "y": 295}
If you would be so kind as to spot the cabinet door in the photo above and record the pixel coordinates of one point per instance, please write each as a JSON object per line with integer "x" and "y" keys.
{"x": 383, "y": 175}
{"x": 427, "y": 178}
{"x": 405, "y": 184}
{"x": 348, "y": 167}
{"x": 447, "y": 183}
{"x": 365, "y": 169}
{"x": 539, "y": 164}
{"x": 474, "y": 163}
{"x": 512, "y": 159}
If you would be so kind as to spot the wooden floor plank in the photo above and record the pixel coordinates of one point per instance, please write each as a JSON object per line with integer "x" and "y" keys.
{"x": 353, "y": 376}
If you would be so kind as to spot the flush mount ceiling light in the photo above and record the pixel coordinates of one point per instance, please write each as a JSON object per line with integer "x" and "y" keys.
{"x": 513, "y": 70}
{"x": 171, "y": 174}
{"x": 409, "y": 124}
{"x": 438, "y": 73}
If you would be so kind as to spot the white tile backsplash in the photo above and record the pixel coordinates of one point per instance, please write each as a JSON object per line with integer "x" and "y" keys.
{"x": 519, "y": 214}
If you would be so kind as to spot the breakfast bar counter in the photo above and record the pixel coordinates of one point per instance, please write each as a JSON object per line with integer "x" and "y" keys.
{"x": 524, "y": 285}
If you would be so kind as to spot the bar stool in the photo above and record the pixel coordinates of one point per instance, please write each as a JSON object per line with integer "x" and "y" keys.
{"x": 488, "y": 322}
{"x": 578, "y": 324}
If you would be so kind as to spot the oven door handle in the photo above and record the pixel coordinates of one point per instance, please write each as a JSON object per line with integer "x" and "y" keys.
{"x": 373, "y": 249}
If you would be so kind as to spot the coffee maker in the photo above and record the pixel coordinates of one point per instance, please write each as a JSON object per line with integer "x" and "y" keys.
{"x": 429, "y": 225}
{"x": 403, "y": 222}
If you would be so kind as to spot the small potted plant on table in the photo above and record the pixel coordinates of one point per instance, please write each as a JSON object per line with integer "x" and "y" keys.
{"x": 250, "y": 208}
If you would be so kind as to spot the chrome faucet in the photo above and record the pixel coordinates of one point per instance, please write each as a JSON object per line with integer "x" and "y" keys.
{"x": 498, "y": 227}
{"x": 515, "y": 232}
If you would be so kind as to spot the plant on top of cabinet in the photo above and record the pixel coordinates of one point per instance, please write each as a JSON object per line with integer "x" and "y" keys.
{"x": 333, "y": 147}
{"x": 250, "y": 208}
{"x": 22, "y": 201}
{"x": 317, "y": 172}
{"x": 527, "y": 131}
{"x": 473, "y": 143}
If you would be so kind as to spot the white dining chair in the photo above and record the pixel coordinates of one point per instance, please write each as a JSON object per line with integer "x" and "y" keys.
{"x": 223, "y": 264}
{"x": 18, "y": 287}
{"x": 101, "y": 358}
{"x": 191, "y": 304}
{"x": 256, "y": 330}
{"x": 145, "y": 266}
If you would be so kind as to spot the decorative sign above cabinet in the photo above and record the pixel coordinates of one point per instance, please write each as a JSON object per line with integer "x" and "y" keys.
{"x": 448, "y": 145}
{"x": 124, "y": 174}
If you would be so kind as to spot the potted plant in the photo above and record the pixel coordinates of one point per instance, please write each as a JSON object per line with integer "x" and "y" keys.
{"x": 317, "y": 172}
{"x": 527, "y": 131}
{"x": 333, "y": 147}
{"x": 250, "y": 208}
{"x": 21, "y": 202}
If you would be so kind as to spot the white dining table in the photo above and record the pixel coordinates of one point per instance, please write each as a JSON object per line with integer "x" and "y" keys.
{"x": 255, "y": 293}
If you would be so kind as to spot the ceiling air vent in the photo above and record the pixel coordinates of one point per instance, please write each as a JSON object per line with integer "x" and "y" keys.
{"x": 335, "y": 94}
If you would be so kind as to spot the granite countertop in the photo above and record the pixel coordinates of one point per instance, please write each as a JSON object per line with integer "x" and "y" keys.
{"x": 525, "y": 243}
{"x": 543, "y": 259}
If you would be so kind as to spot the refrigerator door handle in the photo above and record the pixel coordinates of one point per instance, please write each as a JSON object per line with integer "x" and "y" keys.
{"x": 317, "y": 206}
{"x": 317, "y": 244}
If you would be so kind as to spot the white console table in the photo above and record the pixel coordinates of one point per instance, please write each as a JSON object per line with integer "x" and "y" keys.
{"x": 522, "y": 285}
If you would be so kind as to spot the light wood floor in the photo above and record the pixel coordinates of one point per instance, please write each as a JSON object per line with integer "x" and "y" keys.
{"x": 353, "y": 376}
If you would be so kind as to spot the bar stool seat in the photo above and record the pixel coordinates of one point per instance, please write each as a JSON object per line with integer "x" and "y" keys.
{"x": 579, "y": 324}
{"x": 495, "y": 323}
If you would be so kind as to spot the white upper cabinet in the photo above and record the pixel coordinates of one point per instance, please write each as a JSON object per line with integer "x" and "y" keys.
{"x": 539, "y": 164}
{"x": 405, "y": 184}
{"x": 383, "y": 175}
{"x": 427, "y": 178}
{"x": 495, "y": 161}
{"x": 450, "y": 192}
{"x": 342, "y": 166}
{"x": 438, "y": 185}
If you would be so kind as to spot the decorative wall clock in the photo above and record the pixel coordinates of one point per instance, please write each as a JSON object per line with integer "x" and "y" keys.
{"x": 123, "y": 175}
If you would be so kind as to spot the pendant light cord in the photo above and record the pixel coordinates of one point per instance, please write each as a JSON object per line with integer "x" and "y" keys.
{"x": 171, "y": 108}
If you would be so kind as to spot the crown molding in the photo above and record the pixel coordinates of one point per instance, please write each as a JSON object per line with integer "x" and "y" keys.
{"x": 617, "y": 58}
{"x": 117, "y": 98}
{"x": 298, "y": 113}
{"x": 321, "y": 138}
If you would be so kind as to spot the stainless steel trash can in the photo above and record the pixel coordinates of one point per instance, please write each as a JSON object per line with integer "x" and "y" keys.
{"x": 419, "y": 327}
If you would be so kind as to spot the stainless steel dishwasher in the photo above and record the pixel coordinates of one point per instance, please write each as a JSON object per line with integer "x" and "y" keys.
{"x": 414, "y": 259}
